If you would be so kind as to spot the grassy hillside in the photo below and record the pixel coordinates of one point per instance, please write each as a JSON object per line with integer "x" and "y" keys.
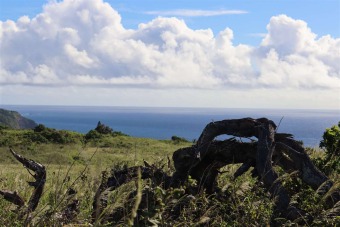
{"x": 14, "y": 120}
{"x": 118, "y": 149}
{"x": 76, "y": 161}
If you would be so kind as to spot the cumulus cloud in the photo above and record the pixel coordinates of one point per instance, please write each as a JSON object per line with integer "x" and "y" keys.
{"x": 80, "y": 58}
{"x": 291, "y": 55}
{"x": 84, "y": 43}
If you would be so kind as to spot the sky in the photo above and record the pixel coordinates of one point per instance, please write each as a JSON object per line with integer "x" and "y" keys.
{"x": 229, "y": 54}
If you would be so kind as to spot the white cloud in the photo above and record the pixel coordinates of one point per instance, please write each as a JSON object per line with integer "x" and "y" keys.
{"x": 296, "y": 71}
{"x": 75, "y": 43}
{"x": 289, "y": 36}
{"x": 195, "y": 13}
{"x": 78, "y": 57}
{"x": 290, "y": 55}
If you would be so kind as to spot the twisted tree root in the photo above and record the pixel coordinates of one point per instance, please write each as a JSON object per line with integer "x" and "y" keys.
{"x": 203, "y": 160}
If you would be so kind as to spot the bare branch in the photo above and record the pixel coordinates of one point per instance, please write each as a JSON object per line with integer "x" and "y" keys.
{"x": 12, "y": 197}
{"x": 40, "y": 179}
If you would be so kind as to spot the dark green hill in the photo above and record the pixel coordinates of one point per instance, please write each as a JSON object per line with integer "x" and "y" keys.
{"x": 13, "y": 119}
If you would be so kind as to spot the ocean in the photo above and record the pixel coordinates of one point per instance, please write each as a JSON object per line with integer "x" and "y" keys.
{"x": 162, "y": 123}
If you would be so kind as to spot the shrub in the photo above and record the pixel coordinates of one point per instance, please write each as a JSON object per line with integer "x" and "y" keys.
{"x": 40, "y": 128}
{"x": 43, "y": 134}
{"x": 101, "y": 132}
{"x": 3, "y": 127}
{"x": 92, "y": 135}
{"x": 177, "y": 139}
{"x": 103, "y": 129}
{"x": 331, "y": 144}
{"x": 331, "y": 141}
{"x": 35, "y": 137}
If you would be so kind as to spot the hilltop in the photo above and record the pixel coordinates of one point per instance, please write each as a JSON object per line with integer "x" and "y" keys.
{"x": 15, "y": 120}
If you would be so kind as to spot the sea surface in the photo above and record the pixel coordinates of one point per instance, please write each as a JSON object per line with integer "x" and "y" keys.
{"x": 162, "y": 123}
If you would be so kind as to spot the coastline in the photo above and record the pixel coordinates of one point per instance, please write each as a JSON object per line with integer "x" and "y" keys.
{"x": 164, "y": 122}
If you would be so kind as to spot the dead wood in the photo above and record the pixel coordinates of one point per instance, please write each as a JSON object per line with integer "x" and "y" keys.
{"x": 38, "y": 185}
{"x": 265, "y": 150}
{"x": 203, "y": 160}
{"x": 69, "y": 214}
{"x": 12, "y": 197}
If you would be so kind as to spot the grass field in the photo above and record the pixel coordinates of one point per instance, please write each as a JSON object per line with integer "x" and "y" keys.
{"x": 74, "y": 165}
{"x": 242, "y": 202}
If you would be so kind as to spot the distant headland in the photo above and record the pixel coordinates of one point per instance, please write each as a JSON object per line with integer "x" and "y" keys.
{"x": 14, "y": 120}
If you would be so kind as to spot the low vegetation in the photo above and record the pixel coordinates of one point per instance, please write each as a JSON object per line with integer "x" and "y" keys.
{"x": 77, "y": 164}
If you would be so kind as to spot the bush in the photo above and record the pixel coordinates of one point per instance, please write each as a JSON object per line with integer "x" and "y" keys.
{"x": 177, "y": 139}
{"x": 35, "y": 137}
{"x": 331, "y": 144}
{"x": 92, "y": 135}
{"x": 43, "y": 134}
{"x": 103, "y": 129}
{"x": 331, "y": 141}
{"x": 40, "y": 128}
{"x": 3, "y": 127}
{"x": 101, "y": 132}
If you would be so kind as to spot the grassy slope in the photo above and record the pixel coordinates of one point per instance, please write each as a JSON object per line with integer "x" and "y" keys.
{"x": 71, "y": 165}
{"x": 74, "y": 164}
{"x": 110, "y": 150}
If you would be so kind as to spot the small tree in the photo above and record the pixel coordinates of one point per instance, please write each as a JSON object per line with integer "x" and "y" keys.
{"x": 331, "y": 141}
{"x": 331, "y": 145}
{"x": 103, "y": 129}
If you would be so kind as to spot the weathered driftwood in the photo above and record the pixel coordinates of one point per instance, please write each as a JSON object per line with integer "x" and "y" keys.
{"x": 38, "y": 185}
{"x": 203, "y": 160}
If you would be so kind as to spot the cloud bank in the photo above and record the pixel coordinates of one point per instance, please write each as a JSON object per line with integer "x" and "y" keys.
{"x": 83, "y": 43}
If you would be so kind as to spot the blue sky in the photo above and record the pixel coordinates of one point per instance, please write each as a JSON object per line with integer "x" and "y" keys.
{"x": 278, "y": 54}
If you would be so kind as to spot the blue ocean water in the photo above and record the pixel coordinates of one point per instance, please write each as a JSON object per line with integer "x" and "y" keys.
{"x": 162, "y": 123}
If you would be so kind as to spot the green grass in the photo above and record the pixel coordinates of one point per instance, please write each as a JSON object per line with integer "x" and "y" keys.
{"x": 75, "y": 165}
{"x": 242, "y": 202}
{"x": 110, "y": 150}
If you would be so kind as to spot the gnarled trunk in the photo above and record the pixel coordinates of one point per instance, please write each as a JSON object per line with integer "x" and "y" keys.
{"x": 203, "y": 160}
